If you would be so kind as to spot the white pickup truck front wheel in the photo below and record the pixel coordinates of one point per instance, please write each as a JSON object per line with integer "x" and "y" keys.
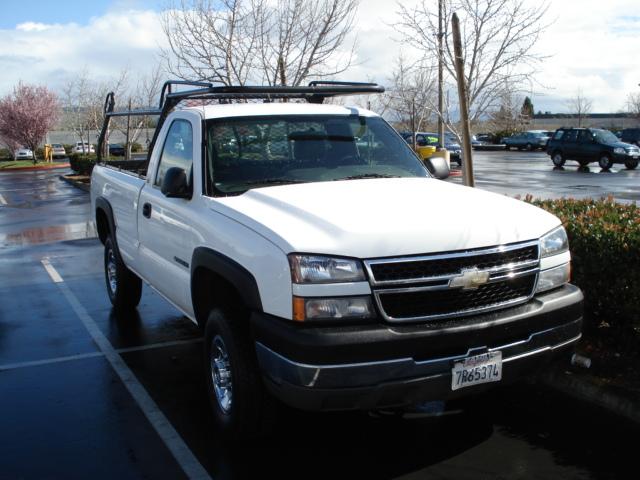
{"x": 241, "y": 406}
{"x": 123, "y": 286}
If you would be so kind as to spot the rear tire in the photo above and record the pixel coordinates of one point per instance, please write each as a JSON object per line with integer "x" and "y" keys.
{"x": 242, "y": 408}
{"x": 528, "y": 147}
{"x": 123, "y": 286}
{"x": 558, "y": 159}
{"x": 631, "y": 164}
{"x": 605, "y": 161}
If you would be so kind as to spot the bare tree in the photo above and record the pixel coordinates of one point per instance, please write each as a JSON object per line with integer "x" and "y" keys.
{"x": 498, "y": 40}
{"x": 83, "y": 103}
{"x": 233, "y": 42}
{"x": 143, "y": 95}
{"x": 633, "y": 105}
{"x": 410, "y": 98}
{"x": 579, "y": 106}
{"x": 508, "y": 117}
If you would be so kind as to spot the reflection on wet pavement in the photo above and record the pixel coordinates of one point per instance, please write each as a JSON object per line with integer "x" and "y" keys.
{"x": 56, "y": 233}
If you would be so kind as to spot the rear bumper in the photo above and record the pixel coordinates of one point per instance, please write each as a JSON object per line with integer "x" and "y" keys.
{"x": 368, "y": 367}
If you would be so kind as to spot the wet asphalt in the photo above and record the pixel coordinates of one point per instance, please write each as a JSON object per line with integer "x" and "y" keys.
{"x": 67, "y": 412}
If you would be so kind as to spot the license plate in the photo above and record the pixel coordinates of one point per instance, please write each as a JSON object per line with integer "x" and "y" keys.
{"x": 635, "y": 157}
{"x": 484, "y": 368}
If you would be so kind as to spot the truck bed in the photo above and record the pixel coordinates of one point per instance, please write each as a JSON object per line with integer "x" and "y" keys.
{"x": 131, "y": 167}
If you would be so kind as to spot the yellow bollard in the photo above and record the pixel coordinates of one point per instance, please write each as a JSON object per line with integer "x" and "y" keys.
{"x": 48, "y": 153}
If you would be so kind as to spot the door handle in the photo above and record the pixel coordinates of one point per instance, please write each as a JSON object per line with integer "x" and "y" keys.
{"x": 146, "y": 210}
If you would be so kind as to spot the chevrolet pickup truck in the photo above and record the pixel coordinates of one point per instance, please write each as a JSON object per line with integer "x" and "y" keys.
{"x": 316, "y": 253}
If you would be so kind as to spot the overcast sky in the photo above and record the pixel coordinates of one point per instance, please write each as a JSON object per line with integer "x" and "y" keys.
{"x": 593, "y": 45}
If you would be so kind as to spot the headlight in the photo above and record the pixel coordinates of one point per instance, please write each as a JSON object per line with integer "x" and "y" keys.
{"x": 321, "y": 269}
{"x": 554, "y": 242}
{"x": 619, "y": 151}
{"x": 332, "y": 308}
{"x": 554, "y": 277}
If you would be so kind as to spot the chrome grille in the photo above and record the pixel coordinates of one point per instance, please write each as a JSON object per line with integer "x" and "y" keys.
{"x": 435, "y": 286}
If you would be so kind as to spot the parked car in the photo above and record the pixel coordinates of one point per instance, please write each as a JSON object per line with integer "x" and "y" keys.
{"x": 631, "y": 135}
{"x": 84, "y": 148}
{"x": 587, "y": 145}
{"x": 116, "y": 149}
{"x": 329, "y": 274}
{"x": 23, "y": 154}
{"x": 526, "y": 141}
{"x": 433, "y": 140}
{"x": 422, "y": 147}
{"x": 58, "y": 150}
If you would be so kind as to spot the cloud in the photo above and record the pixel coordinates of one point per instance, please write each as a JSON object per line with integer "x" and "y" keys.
{"x": 591, "y": 45}
{"x": 52, "y": 54}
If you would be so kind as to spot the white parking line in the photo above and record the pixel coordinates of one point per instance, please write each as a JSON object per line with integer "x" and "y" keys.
{"x": 171, "y": 438}
{"x": 53, "y": 273}
{"x": 2, "y": 200}
{"x": 48, "y": 361}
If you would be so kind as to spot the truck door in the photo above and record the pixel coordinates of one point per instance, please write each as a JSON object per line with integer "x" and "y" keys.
{"x": 166, "y": 239}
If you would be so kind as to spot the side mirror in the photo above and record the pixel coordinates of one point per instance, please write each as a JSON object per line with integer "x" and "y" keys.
{"x": 175, "y": 184}
{"x": 438, "y": 167}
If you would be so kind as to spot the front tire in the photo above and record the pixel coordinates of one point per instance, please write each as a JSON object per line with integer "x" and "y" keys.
{"x": 242, "y": 408}
{"x": 631, "y": 164}
{"x": 123, "y": 286}
{"x": 529, "y": 147}
{"x": 605, "y": 161}
{"x": 558, "y": 159}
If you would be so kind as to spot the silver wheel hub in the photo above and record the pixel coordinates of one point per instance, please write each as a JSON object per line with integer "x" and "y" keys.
{"x": 221, "y": 374}
{"x": 111, "y": 272}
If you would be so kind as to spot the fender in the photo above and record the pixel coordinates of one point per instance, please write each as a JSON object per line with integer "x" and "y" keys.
{"x": 234, "y": 273}
{"x": 104, "y": 205}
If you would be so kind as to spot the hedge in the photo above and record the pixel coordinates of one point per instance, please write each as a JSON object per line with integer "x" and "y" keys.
{"x": 82, "y": 164}
{"x": 604, "y": 238}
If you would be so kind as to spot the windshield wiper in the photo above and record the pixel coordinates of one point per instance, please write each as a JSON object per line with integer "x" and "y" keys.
{"x": 368, "y": 175}
{"x": 273, "y": 181}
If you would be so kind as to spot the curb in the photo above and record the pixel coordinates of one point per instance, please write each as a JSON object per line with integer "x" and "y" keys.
{"x": 82, "y": 186}
{"x": 26, "y": 169}
{"x": 613, "y": 399}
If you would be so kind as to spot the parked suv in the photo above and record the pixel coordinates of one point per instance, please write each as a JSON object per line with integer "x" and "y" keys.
{"x": 526, "y": 140}
{"x": 631, "y": 135}
{"x": 587, "y": 145}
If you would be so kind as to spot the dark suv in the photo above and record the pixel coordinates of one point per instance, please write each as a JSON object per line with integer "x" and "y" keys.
{"x": 586, "y": 145}
{"x": 631, "y": 135}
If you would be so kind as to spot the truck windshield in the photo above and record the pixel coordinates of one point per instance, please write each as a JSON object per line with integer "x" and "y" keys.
{"x": 252, "y": 152}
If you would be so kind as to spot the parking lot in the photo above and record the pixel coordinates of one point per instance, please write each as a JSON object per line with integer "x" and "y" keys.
{"x": 85, "y": 393}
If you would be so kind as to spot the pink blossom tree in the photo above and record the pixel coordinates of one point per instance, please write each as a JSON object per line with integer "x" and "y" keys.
{"x": 27, "y": 114}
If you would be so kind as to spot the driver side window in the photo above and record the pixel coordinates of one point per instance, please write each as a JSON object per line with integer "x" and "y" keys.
{"x": 177, "y": 150}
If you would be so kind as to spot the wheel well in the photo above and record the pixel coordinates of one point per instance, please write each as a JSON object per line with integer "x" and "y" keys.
{"x": 605, "y": 154}
{"x": 556, "y": 152}
{"x": 210, "y": 290}
{"x": 102, "y": 225}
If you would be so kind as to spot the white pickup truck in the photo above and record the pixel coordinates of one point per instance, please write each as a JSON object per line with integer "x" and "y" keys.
{"x": 321, "y": 260}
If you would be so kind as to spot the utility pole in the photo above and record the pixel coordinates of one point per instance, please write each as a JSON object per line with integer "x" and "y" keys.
{"x": 440, "y": 80}
{"x": 467, "y": 161}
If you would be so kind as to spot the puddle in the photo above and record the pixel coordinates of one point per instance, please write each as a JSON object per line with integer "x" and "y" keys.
{"x": 50, "y": 234}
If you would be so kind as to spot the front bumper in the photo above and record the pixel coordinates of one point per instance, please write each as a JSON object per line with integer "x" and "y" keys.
{"x": 381, "y": 366}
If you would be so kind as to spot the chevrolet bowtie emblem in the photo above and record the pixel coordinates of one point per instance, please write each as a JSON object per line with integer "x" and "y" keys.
{"x": 469, "y": 279}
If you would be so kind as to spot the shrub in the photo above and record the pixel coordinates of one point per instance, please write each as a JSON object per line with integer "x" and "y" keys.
{"x": 604, "y": 237}
{"x": 136, "y": 147}
{"x": 82, "y": 164}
